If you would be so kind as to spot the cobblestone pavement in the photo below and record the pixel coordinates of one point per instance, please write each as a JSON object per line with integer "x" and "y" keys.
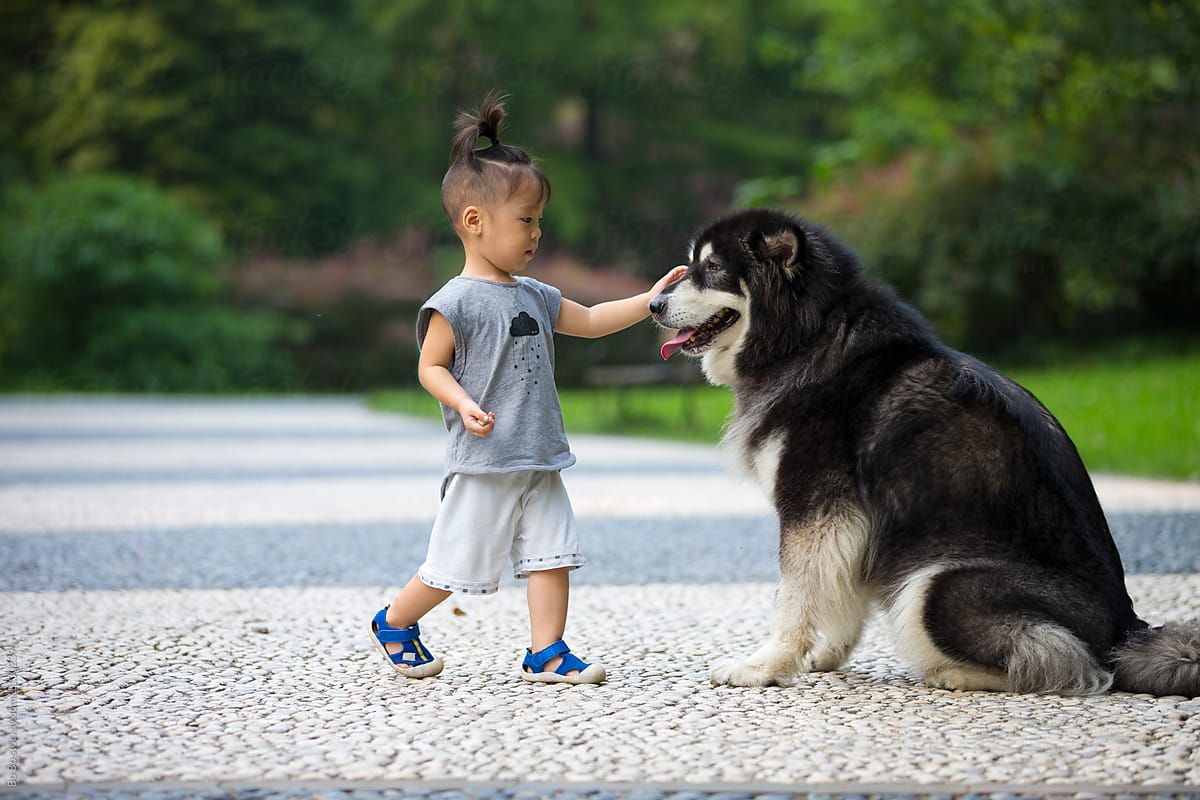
{"x": 186, "y": 586}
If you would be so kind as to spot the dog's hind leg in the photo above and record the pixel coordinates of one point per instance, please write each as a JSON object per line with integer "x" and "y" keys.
{"x": 988, "y": 627}
{"x": 820, "y": 606}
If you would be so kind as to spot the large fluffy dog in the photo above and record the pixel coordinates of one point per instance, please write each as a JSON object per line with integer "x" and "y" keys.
{"x": 907, "y": 475}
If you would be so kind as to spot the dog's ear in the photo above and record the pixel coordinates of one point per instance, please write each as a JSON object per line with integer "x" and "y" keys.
{"x": 776, "y": 289}
{"x": 784, "y": 248}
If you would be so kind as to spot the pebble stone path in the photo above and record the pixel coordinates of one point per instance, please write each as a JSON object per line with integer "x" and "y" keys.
{"x": 186, "y": 584}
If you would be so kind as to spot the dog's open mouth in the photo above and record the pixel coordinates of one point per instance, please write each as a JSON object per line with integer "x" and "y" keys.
{"x": 689, "y": 340}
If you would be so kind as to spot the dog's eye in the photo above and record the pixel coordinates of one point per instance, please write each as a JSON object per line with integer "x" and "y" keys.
{"x": 714, "y": 266}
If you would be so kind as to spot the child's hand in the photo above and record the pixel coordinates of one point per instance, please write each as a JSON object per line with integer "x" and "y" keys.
{"x": 666, "y": 280}
{"x": 477, "y": 421}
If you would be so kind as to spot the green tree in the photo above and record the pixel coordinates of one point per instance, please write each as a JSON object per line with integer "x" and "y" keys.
{"x": 1049, "y": 81}
{"x": 1017, "y": 167}
{"x": 644, "y": 115}
{"x": 261, "y": 114}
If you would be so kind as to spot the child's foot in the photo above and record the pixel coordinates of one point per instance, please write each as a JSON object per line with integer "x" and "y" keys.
{"x": 557, "y": 664}
{"x": 403, "y": 648}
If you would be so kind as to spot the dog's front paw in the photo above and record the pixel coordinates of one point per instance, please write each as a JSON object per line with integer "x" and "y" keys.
{"x": 731, "y": 672}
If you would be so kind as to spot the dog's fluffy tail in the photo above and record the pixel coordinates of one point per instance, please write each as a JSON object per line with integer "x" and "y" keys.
{"x": 1160, "y": 661}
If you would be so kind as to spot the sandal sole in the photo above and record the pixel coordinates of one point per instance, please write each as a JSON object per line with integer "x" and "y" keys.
{"x": 419, "y": 671}
{"x": 593, "y": 674}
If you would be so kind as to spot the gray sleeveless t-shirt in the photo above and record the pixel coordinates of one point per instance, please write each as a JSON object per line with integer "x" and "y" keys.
{"x": 504, "y": 359}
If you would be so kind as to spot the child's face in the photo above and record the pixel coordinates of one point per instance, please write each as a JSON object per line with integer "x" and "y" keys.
{"x": 512, "y": 229}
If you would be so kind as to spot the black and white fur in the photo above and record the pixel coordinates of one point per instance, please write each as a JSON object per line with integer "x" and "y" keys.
{"x": 906, "y": 476}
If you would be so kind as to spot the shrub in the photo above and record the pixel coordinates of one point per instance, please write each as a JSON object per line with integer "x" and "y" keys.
{"x": 999, "y": 256}
{"x": 107, "y": 283}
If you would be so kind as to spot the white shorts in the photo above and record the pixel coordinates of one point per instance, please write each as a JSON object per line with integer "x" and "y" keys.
{"x": 485, "y": 520}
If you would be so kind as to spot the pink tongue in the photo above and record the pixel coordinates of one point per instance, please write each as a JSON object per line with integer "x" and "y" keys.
{"x": 672, "y": 347}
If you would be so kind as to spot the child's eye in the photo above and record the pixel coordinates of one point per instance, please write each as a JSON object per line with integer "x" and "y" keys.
{"x": 527, "y": 220}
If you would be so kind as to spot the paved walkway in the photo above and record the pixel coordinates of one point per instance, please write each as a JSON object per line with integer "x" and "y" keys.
{"x": 186, "y": 585}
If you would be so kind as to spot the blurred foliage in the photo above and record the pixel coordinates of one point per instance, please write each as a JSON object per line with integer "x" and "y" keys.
{"x": 262, "y": 114}
{"x": 1001, "y": 256}
{"x": 1020, "y": 169}
{"x": 110, "y": 285}
{"x": 301, "y": 126}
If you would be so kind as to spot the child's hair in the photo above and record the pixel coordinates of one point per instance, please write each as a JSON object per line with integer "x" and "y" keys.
{"x": 490, "y": 174}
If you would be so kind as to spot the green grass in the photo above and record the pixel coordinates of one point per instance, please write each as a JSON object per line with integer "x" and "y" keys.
{"x": 1134, "y": 417}
{"x": 690, "y": 413}
{"x": 1131, "y": 418}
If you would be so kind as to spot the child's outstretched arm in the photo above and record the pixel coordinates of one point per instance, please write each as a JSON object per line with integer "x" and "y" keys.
{"x": 615, "y": 315}
{"x": 433, "y": 370}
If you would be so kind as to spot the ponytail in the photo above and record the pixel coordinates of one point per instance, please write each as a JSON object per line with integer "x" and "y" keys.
{"x": 485, "y": 122}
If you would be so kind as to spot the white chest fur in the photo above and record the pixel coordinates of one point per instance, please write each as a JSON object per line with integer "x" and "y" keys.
{"x": 761, "y": 460}
{"x": 765, "y": 462}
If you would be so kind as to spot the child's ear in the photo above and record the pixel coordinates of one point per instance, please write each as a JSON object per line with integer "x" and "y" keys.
{"x": 471, "y": 219}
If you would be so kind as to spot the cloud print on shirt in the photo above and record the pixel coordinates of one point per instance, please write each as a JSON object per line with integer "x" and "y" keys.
{"x": 523, "y": 325}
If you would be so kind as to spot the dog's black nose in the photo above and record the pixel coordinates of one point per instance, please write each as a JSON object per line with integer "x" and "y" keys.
{"x": 658, "y": 304}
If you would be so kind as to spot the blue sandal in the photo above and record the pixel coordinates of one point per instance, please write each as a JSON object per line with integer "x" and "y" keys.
{"x": 533, "y": 668}
{"x": 414, "y": 660}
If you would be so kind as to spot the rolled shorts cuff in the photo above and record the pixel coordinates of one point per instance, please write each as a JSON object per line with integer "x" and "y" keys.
{"x": 458, "y": 587}
{"x": 525, "y": 566}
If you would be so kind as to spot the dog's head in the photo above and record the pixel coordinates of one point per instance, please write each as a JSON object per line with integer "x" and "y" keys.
{"x": 758, "y": 285}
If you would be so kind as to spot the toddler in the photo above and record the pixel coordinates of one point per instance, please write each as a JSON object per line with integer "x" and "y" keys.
{"x": 487, "y": 354}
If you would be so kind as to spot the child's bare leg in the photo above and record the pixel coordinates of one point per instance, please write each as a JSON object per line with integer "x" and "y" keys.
{"x": 413, "y": 602}
{"x": 548, "y": 594}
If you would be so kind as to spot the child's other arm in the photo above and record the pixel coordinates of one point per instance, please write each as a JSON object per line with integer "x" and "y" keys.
{"x": 433, "y": 370}
{"x": 615, "y": 315}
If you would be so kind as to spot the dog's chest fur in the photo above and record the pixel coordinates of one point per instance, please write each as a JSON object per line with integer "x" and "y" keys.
{"x": 758, "y": 445}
